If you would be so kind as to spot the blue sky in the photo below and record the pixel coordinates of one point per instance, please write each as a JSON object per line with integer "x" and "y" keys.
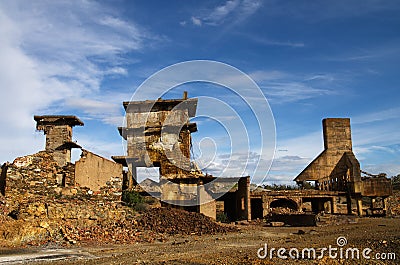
{"x": 311, "y": 60}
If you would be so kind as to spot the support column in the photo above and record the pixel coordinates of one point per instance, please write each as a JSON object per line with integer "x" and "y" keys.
{"x": 359, "y": 207}
{"x": 348, "y": 198}
{"x": 301, "y": 205}
{"x": 384, "y": 205}
{"x": 132, "y": 176}
{"x": 333, "y": 205}
{"x": 243, "y": 207}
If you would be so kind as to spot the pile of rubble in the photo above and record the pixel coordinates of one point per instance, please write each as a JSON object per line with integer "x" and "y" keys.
{"x": 395, "y": 203}
{"x": 121, "y": 231}
{"x": 34, "y": 176}
{"x": 43, "y": 204}
{"x": 154, "y": 225}
{"x": 283, "y": 210}
{"x": 37, "y": 181}
{"x": 325, "y": 220}
{"x": 174, "y": 221}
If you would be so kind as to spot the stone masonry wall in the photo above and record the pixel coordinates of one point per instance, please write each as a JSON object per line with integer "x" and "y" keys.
{"x": 94, "y": 172}
{"x": 36, "y": 184}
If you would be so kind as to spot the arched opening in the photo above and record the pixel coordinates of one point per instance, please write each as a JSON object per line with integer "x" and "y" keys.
{"x": 284, "y": 203}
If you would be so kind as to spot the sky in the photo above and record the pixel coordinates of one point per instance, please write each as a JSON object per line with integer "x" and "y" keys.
{"x": 310, "y": 59}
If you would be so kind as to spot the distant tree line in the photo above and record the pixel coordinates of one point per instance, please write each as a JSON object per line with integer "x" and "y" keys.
{"x": 396, "y": 182}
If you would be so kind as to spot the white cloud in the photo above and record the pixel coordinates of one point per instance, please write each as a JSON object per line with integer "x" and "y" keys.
{"x": 55, "y": 52}
{"x": 196, "y": 21}
{"x": 101, "y": 147}
{"x": 105, "y": 107}
{"x": 382, "y": 115}
{"x": 281, "y": 87}
{"x": 233, "y": 11}
{"x": 219, "y": 13}
{"x": 285, "y": 92}
{"x": 116, "y": 71}
{"x": 391, "y": 169}
{"x": 271, "y": 42}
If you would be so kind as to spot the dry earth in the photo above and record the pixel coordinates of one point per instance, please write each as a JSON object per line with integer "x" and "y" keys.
{"x": 380, "y": 234}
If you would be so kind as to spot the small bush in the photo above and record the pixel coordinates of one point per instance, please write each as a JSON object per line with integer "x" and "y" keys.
{"x": 223, "y": 218}
{"x": 131, "y": 198}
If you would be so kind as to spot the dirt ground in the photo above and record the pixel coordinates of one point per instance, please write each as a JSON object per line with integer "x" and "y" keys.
{"x": 382, "y": 235}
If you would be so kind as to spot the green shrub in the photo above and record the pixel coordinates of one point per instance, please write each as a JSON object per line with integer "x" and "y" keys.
{"x": 131, "y": 198}
{"x": 223, "y": 218}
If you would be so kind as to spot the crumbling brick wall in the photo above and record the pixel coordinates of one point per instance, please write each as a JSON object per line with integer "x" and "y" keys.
{"x": 38, "y": 179}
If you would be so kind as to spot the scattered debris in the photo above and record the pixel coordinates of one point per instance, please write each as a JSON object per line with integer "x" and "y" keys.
{"x": 175, "y": 221}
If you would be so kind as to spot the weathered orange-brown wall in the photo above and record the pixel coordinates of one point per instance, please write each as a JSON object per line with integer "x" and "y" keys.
{"x": 93, "y": 171}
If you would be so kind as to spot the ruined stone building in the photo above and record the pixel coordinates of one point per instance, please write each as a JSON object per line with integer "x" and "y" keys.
{"x": 337, "y": 168}
{"x": 336, "y": 174}
{"x": 58, "y": 131}
{"x": 91, "y": 171}
{"x": 158, "y": 134}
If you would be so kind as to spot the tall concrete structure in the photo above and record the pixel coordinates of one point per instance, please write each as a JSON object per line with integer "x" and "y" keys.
{"x": 337, "y": 168}
{"x": 58, "y": 131}
{"x": 158, "y": 135}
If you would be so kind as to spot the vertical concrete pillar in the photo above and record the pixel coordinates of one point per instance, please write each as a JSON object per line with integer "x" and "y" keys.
{"x": 384, "y": 205}
{"x": 333, "y": 205}
{"x": 300, "y": 205}
{"x": 132, "y": 175}
{"x": 243, "y": 207}
{"x": 359, "y": 207}
{"x": 348, "y": 199}
{"x": 265, "y": 202}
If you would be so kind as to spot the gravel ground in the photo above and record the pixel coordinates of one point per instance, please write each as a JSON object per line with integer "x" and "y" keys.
{"x": 380, "y": 234}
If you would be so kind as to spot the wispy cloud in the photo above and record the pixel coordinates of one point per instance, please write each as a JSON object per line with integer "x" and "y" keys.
{"x": 219, "y": 13}
{"x": 281, "y": 87}
{"x": 272, "y": 42}
{"x": 53, "y": 52}
{"x": 391, "y": 169}
{"x": 382, "y": 115}
{"x": 196, "y": 21}
{"x": 106, "y": 109}
{"x": 231, "y": 11}
{"x": 386, "y": 50}
{"x": 285, "y": 92}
